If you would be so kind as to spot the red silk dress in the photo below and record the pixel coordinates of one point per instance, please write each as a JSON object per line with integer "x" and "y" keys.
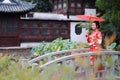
{"x": 94, "y": 40}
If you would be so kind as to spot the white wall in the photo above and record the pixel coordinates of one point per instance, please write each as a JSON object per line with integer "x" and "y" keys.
{"x": 90, "y": 11}
{"x": 74, "y": 36}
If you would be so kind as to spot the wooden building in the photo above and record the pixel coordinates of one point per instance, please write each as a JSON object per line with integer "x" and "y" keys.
{"x": 72, "y": 7}
{"x": 16, "y": 26}
{"x": 10, "y": 23}
{"x": 45, "y": 26}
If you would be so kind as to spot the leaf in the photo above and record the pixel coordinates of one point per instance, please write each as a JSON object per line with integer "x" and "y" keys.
{"x": 112, "y": 46}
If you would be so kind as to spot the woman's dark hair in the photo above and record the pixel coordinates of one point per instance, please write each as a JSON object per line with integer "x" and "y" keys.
{"x": 97, "y": 23}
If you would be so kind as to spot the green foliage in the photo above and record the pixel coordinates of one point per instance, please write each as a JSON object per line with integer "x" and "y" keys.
{"x": 111, "y": 12}
{"x": 10, "y": 70}
{"x": 57, "y": 72}
{"x": 112, "y": 46}
{"x": 83, "y": 45}
{"x": 56, "y": 45}
{"x": 14, "y": 71}
{"x": 117, "y": 48}
{"x": 53, "y": 72}
{"x": 110, "y": 61}
{"x": 107, "y": 29}
{"x": 105, "y": 4}
{"x": 86, "y": 25}
{"x": 108, "y": 4}
{"x": 42, "y": 5}
{"x": 110, "y": 76}
{"x": 4, "y": 63}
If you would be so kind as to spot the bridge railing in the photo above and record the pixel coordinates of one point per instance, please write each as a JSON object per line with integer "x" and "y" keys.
{"x": 80, "y": 60}
{"x": 54, "y": 55}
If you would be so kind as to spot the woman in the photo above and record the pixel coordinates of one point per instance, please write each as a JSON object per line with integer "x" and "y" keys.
{"x": 94, "y": 40}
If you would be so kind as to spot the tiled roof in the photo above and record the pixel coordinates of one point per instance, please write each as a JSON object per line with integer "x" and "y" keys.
{"x": 15, "y": 6}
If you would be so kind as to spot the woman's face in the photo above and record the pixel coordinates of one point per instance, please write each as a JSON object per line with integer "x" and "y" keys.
{"x": 94, "y": 26}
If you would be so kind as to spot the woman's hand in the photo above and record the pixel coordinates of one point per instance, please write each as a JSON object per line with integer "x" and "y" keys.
{"x": 87, "y": 32}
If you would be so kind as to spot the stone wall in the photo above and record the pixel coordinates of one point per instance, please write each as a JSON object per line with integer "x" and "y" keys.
{"x": 16, "y": 51}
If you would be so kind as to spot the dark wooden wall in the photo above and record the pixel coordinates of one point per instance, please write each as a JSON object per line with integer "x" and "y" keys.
{"x": 13, "y": 30}
{"x": 44, "y": 30}
{"x": 9, "y": 31}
